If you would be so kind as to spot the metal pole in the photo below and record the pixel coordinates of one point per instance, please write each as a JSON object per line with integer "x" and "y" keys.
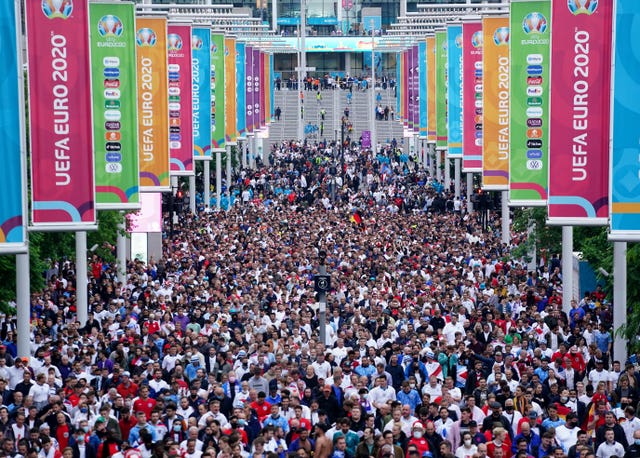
{"x": 567, "y": 268}
{"x": 342, "y": 155}
{"x": 438, "y": 164}
{"x": 242, "y": 155}
{"x": 469, "y": 192}
{"x": 447, "y": 173}
{"x": 122, "y": 251}
{"x": 619, "y": 298}
{"x": 192, "y": 194}
{"x": 82, "y": 298}
{"x": 457, "y": 178}
{"x": 374, "y": 140}
{"x": 229, "y": 153}
{"x": 207, "y": 184}
{"x": 432, "y": 160}
{"x": 23, "y": 306}
{"x": 322, "y": 309}
{"x": 218, "y": 178}
{"x": 506, "y": 233}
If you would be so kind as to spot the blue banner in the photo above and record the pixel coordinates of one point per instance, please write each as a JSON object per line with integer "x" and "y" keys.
{"x": 12, "y": 224}
{"x": 422, "y": 88}
{"x": 271, "y": 90}
{"x": 625, "y": 154}
{"x": 454, "y": 91}
{"x": 201, "y": 91}
{"x": 241, "y": 121}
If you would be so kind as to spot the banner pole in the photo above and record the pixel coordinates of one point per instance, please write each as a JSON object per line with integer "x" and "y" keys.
{"x": 457, "y": 177}
{"x": 469, "y": 192}
{"x": 447, "y": 173}
{"x": 218, "y": 178}
{"x": 567, "y": 268}
{"x": 23, "y": 288}
{"x": 228, "y": 177}
{"x": 122, "y": 251}
{"x": 619, "y": 299}
{"x": 438, "y": 164}
{"x": 82, "y": 298}
{"x": 207, "y": 184}
{"x": 192, "y": 194}
{"x": 506, "y": 235}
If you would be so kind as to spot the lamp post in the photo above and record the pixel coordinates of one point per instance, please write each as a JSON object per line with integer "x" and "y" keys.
{"x": 373, "y": 90}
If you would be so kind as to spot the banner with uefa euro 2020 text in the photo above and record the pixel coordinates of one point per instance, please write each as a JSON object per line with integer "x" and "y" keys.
{"x": 398, "y": 85}
{"x": 529, "y": 112}
{"x": 257, "y": 86}
{"x": 431, "y": 88}
{"x": 201, "y": 91}
{"x": 409, "y": 80}
{"x": 180, "y": 110}
{"x": 625, "y": 152}
{"x": 422, "y": 97}
{"x": 241, "y": 96}
{"x": 60, "y": 127}
{"x": 441, "y": 89}
{"x": 472, "y": 74}
{"x": 230, "y": 108}
{"x": 12, "y": 219}
{"x": 217, "y": 93}
{"x": 415, "y": 76}
{"x": 495, "y": 103}
{"x": 580, "y": 99}
{"x": 115, "y": 104}
{"x": 454, "y": 91}
{"x": 153, "y": 108}
{"x": 263, "y": 92}
{"x": 248, "y": 75}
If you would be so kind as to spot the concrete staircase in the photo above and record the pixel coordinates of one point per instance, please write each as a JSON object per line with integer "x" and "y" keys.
{"x": 334, "y": 102}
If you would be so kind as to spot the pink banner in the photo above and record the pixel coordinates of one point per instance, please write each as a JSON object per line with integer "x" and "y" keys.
{"x": 264, "y": 87}
{"x": 249, "y": 97}
{"x": 62, "y": 175}
{"x": 472, "y": 74}
{"x": 180, "y": 99}
{"x": 149, "y": 217}
{"x": 405, "y": 91}
{"x": 579, "y": 135}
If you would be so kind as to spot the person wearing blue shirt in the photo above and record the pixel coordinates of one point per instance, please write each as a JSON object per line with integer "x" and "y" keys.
{"x": 603, "y": 339}
{"x": 543, "y": 371}
{"x": 276, "y": 420}
{"x": 553, "y": 420}
{"x": 365, "y": 368}
{"x": 408, "y": 396}
{"x": 134, "y": 434}
{"x": 192, "y": 368}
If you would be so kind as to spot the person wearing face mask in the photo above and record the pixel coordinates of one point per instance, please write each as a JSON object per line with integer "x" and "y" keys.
{"x": 634, "y": 450}
{"x": 468, "y": 448}
{"x": 417, "y": 438}
{"x": 567, "y": 434}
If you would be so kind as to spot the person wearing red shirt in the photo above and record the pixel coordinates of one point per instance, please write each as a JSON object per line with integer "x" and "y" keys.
{"x": 127, "y": 388}
{"x": 500, "y": 440}
{"x": 152, "y": 325}
{"x": 126, "y": 422}
{"x": 62, "y": 431}
{"x": 144, "y": 403}
{"x": 417, "y": 439}
{"x": 262, "y": 407}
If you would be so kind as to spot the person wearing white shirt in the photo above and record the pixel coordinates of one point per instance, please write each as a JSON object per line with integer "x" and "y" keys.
{"x": 407, "y": 420}
{"x": 381, "y": 393}
{"x": 40, "y": 392}
{"x": 610, "y": 447}
{"x": 444, "y": 423}
{"x": 512, "y": 415}
{"x": 451, "y": 328}
{"x": 567, "y": 434}
{"x": 321, "y": 367}
{"x": 599, "y": 374}
{"x": 630, "y": 424}
{"x": 433, "y": 388}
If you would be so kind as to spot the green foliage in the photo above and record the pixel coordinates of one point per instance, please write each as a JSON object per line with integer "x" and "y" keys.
{"x": 545, "y": 237}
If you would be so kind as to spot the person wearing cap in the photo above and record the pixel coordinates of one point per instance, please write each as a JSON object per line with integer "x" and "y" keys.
{"x": 496, "y": 418}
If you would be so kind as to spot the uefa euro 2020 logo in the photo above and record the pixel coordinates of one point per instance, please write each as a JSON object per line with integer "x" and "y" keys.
{"x": 458, "y": 41}
{"x": 587, "y": 7}
{"x": 174, "y": 41}
{"x": 196, "y": 42}
{"x": 476, "y": 39}
{"x": 146, "y": 37}
{"x": 110, "y": 26}
{"x": 57, "y": 9}
{"x": 534, "y": 23}
{"x": 501, "y": 36}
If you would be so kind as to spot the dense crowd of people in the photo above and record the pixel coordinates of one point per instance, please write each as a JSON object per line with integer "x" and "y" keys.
{"x": 438, "y": 342}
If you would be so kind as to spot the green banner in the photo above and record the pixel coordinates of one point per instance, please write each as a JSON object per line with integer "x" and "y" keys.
{"x": 441, "y": 89}
{"x": 217, "y": 93}
{"x": 115, "y": 119}
{"x": 529, "y": 118}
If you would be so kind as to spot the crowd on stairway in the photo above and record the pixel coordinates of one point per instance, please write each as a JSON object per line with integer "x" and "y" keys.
{"x": 438, "y": 341}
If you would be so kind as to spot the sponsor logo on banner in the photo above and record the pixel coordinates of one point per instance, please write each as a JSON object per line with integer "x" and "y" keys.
{"x": 534, "y": 133}
{"x": 534, "y": 112}
{"x": 57, "y": 9}
{"x": 111, "y": 104}
{"x": 113, "y": 157}
{"x": 582, "y": 6}
{"x": 534, "y": 23}
{"x": 534, "y": 81}
{"x": 112, "y": 136}
{"x": 110, "y": 26}
{"x": 111, "y": 72}
{"x": 534, "y": 164}
{"x": 534, "y": 122}
{"x": 196, "y": 42}
{"x": 112, "y": 125}
{"x": 534, "y": 101}
{"x": 112, "y": 115}
{"x": 175, "y": 145}
{"x": 146, "y": 37}
{"x": 113, "y": 146}
{"x": 459, "y": 41}
{"x": 534, "y": 70}
{"x": 534, "y": 154}
{"x": 501, "y": 36}
{"x": 537, "y": 143}
{"x": 111, "y": 61}
{"x": 534, "y": 91}
{"x": 174, "y": 67}
{"x": 174, "y": 130}
{"x": 113, "y": 167}
{"x": 112, "y": 94}
{"x": 535, "y": 59}
{"x": 174, "y": 106}
{"x": 174, "y": 91}
{"x": 112, "y": 84}
{"x": 476, "y": 40}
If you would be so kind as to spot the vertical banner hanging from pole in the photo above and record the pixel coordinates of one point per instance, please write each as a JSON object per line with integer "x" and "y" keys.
{"x": 248, "y": 69}
{"x": 625, "y": 148}
{"x": 217, "y": 92}
{"x": 496, "y": 101}
{"x": 410, "y": 91}
{"x": 12, "y": 218}
{"x": 180, "y": 111}
{"x": 529, "y": 116}
{"x": 241, "y": 96}
{"x": 441, "y": 89}
{"x": 580, "y": 106}
{"x": 472, "y": 85}
{"x": 264, "y": 90}
{"x": 271, "y": 88}
{"x": 60, "y": 127}
{"x": 230, "y": 85}
{"x": 454, "y": 91}
{"x": 153, "y": 106}
{"x": 399, "y": 85}
{"x": 422, "y": 97}
{"x": 431, "y": 89}
{"x": 201, "y": 91}
{"x": 415, "y": 67}
{"x": 257, "y": 82}
{"x": 115, "y": 134}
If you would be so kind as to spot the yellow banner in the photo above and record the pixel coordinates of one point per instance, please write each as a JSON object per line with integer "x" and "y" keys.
{"x": 431, "y": 89}
{"x": 496, "y": 102}
{"x": 153, "y": 105}
{"x": 230, "y": 107}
